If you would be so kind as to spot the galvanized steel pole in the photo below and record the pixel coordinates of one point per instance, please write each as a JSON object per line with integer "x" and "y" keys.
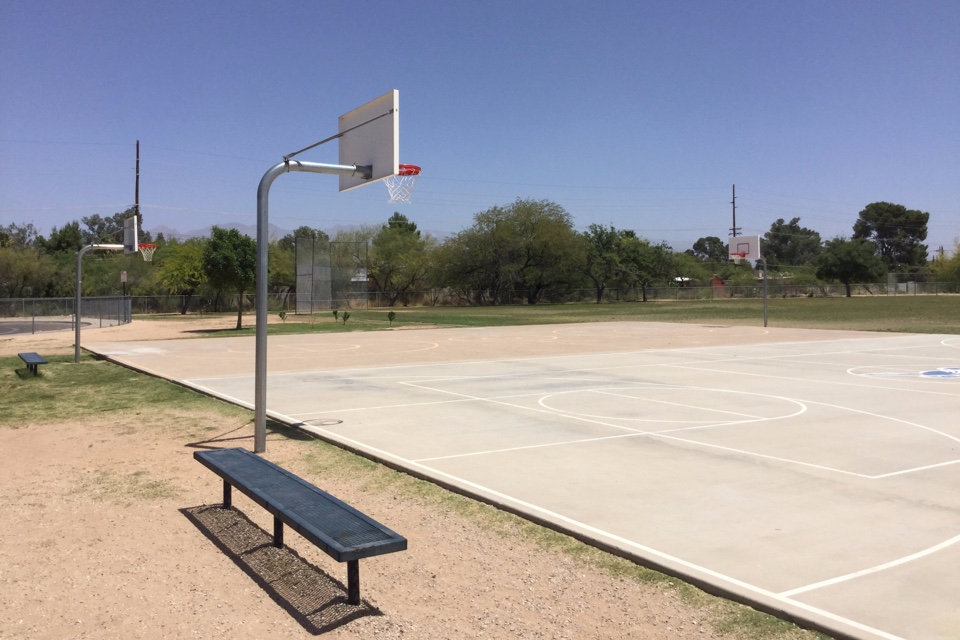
{"x": 263, "y": 238}
{"x": 76, "y": 305}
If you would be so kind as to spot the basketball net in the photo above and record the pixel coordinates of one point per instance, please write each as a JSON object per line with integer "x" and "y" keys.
{"x": 146, "y": 250}
{"x": 401, "y": 185}
{"x": 737, "y": 257}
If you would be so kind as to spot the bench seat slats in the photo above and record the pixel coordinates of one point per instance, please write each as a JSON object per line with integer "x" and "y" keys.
{"x": 32, "y": 358}
{"x": 340, "y": 530}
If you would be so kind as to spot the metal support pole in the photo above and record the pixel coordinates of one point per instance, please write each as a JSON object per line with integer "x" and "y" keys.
{"x": 764, "y": 290}
{"x": 263, "y": 239}
{"x": 76, "y": 306}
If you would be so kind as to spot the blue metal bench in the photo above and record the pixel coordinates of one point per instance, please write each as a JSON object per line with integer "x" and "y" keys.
{"x": 344, "y": 533}
{"x": 33, "y": 360}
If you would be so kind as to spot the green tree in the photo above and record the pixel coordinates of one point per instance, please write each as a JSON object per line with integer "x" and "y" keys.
{"x": 601, "y": 257}
{"x": 696, "y": 272}
{"x": 710, "y": 249}
{"x": 849, "y": 261}
{"x": 454, "y": 267}
{"x": 289, "y": 241}
{"x": 520, "y": 251}
{"x": 18, "y": 236}
{"x": 66, "y": 239}
{"x": 789, "y": 244}
{"x": 281, "y": 268}
{"x": 109, "y": 230}
{"x": 399, "y": 259}
{"x": 549, "y": 252}
{"x": 24, "y": 272}
{"x": 230, "y": 263}
{"x": 644, "y": 263}
{"x": 400, "y": 222}
{"x": 949, "y": 268}
{"x": 180, "y": 269}
{"x": 896, "y": 232}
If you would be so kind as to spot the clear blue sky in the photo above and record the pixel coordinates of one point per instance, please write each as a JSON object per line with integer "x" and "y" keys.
{"x": 636, "y": 114}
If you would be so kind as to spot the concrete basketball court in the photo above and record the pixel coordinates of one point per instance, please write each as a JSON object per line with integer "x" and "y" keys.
{"x": 810, "y": 472}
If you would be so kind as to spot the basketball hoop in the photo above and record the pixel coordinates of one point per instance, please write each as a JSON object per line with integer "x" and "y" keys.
{"x": 737, "y": 257}
{"x": 147, "y": 251}
{"x": 401, "y": 185}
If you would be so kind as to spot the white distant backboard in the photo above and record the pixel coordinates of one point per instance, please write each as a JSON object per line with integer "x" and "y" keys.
{"x": 370, "y": 135}
{"x": 748, "y": 246}
{"x": 130, "y": 238}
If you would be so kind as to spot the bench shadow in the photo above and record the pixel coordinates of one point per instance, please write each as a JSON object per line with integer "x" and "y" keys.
{"x": 315, "y": 600}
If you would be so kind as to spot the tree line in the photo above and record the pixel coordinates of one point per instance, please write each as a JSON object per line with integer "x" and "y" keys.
{"x": 525, "y": 252}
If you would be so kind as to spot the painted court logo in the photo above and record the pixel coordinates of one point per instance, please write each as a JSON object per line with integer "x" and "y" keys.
{"x": 941, "y": 373}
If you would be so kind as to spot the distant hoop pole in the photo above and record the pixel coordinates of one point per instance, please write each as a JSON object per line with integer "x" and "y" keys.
{"x": 764, "y": 260}
{"x": 76, "y": 304}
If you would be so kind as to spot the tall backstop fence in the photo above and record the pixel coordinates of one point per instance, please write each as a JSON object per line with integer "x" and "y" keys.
{"x": 330, "y": 275}
{"x": 100, "y": 311}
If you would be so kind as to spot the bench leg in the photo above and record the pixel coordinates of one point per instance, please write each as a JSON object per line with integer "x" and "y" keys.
{"x": 353, "y": 582}
{"x": 277, "y": 532}
{"x": 227, "y": 495}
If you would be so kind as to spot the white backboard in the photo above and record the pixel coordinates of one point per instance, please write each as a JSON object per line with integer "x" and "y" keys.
{"x": 370, "y": 135}
{"x": 130, "y": 237}
{"x": 747, "y": 245}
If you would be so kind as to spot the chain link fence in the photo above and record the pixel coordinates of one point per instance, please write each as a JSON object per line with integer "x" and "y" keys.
{"x": 112, "y": 310}
{"x": 97, "y": 311}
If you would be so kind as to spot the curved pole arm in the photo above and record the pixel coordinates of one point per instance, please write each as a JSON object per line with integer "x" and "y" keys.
{"x": 263, "y": 238}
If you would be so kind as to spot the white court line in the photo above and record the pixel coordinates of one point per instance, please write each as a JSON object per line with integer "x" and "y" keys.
{"x": 518, "y": 406}
{"x": 836, "y": 383}
{"x": 381, "y": 407}
{"x": 593, "y": 420}
{"x": 764, "y": 456}
{"x": 886, "y": 417}
{"x": 529, "y": 446}
{"x": 915, "y": 469}
{"x": 677, "y": 404}
{"x": 664, "y": 433}
{"x": 429, "y": 403}
{"x": 878, "y": 568}
{"x": 624, "y": 542}
{"x": 638, "y": 432}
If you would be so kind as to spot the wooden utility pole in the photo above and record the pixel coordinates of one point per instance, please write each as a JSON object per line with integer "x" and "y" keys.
{"x": 136, "y": 201}
{"x": 734, "y": 230}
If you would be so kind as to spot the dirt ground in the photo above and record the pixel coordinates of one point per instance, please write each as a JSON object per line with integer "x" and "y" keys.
{"x": 112, "y": 530}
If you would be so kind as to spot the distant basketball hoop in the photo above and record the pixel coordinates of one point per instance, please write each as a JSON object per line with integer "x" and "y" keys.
{"x": 146, "y": 250}
{"x": 737, "y": 257}
{"x": 401, "y": 185}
